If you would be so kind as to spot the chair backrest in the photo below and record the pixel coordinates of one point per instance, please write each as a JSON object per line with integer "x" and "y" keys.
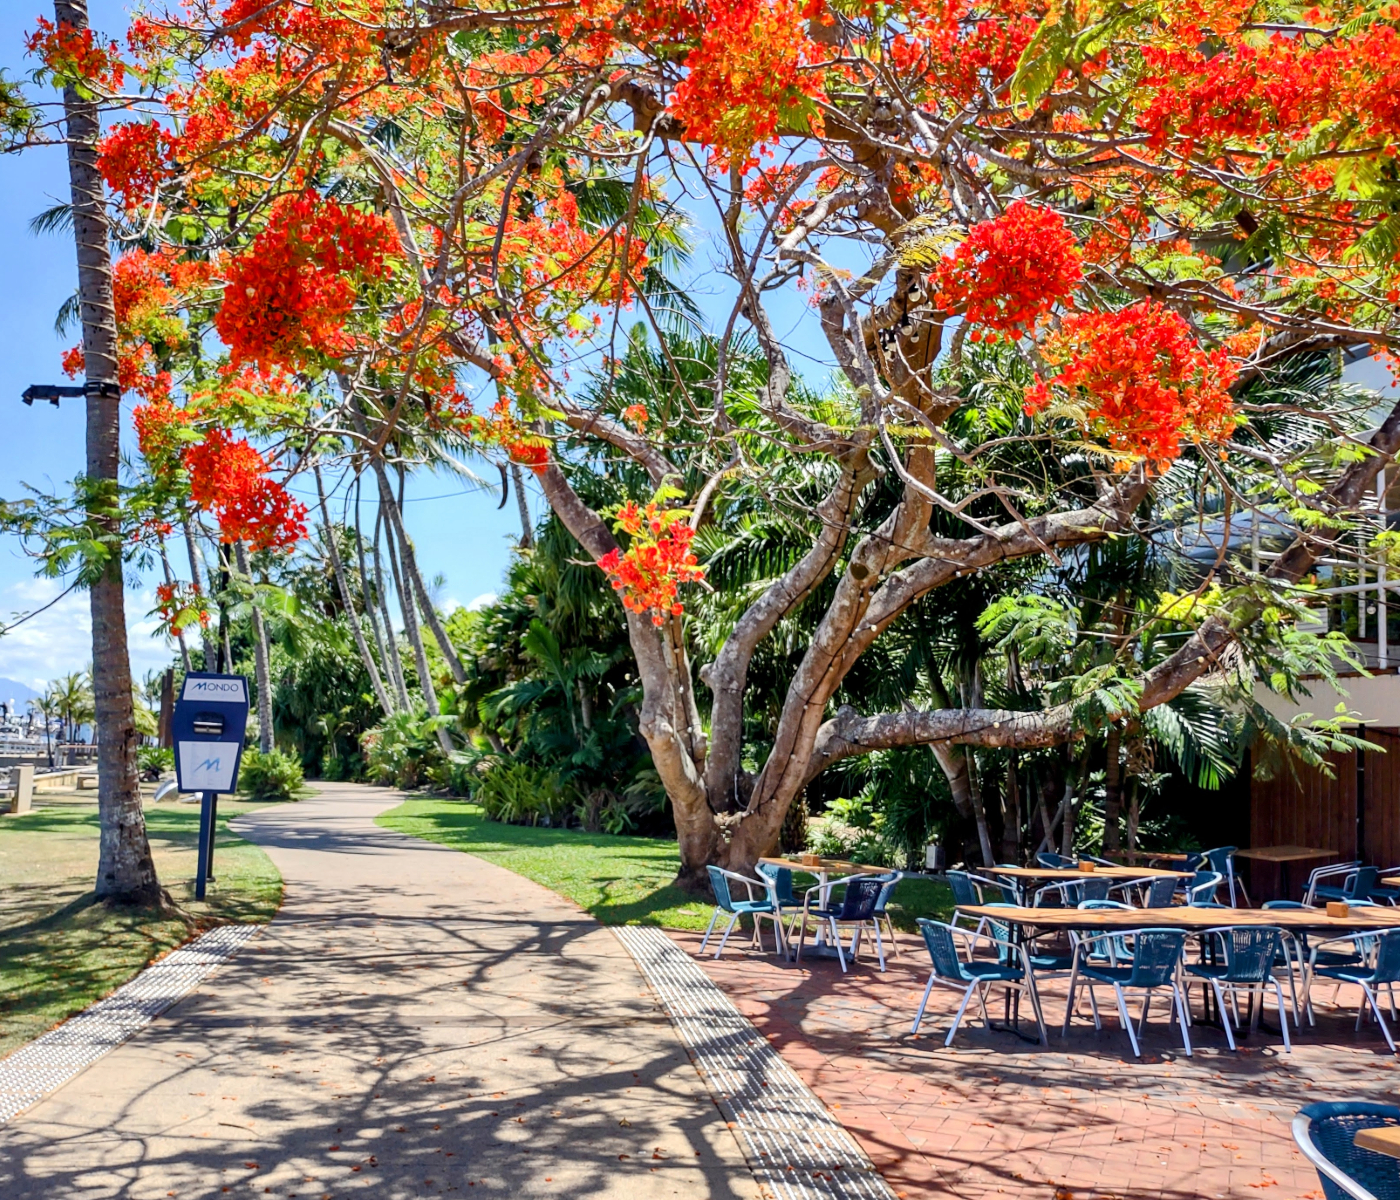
{"x": 782, "y": 882}
{"x": 719, "y": 882}
{"x": 1160, "y": 891}
{"x": 1388, "y": 957}
{"x": 1360, "y": 884}
{"x": 858, "y": 902}
{"x": 938, "y": 938}
{"x": 1201, "y": 890}
{"x": 1219, "y": 859}
{"x": 963, "y": 891}
{"x": 1155, "y": 955}
{"x": 888, "y": 882}
{"x": 1094, "y": 889}
{"x": 1193, "y": 862}
{"x": 1048, "y": 858}
{"x": 1250, "y": 952}
{"x": 1326, "y": 1133}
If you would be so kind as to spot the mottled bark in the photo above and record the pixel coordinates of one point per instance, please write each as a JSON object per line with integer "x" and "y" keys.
{"x": 1113, "y": 791}
{"x": 522, "y": 504}
{"x": 207, "y": 640}
{"x": 393, "y": 662}
{"x": 126, "y": 873}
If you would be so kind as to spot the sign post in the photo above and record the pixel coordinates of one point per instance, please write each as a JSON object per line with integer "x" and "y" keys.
{"x": 210, "y": 718}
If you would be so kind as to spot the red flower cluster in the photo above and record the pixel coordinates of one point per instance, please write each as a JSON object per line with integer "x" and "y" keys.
{"x": 228, "y": 478}
{"x": 135, "y": 159}
{"x": 636, "y": 415}
{"x": 1010, "y": 271}
{"x": 181, "y": 605}
{"x": 752, "y": 68}
{"x": 651, "y": 570}
{"x": 74, "y": 54}
{"x": 1146, "y": 382}
{"x": 290, "y": 293}
{"x": 161, "y": 432}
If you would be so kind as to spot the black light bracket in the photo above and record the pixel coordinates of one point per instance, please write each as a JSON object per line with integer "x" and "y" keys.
{"x": 54, "y": 392}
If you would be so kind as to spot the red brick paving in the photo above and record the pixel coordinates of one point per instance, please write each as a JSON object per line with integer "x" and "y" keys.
{"x": 995, "y": 1116}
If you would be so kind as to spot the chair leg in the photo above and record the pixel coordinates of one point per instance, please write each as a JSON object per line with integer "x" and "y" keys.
{"x": 894, "y": 941}
{"x": 923, "y": 1004}
{"x": 879, "y": 945}
{"x": 1127, "y": 1020}
{"x": 801, "y": 939}
{"x": 728, "y": 929}
{"x": 1069, "y": 1004}
{"x": 1183, "y": 1017}
{"x": 1380, "y": 1020}
{"x": 1094, "y": 1007}
{"x": 1224, "y": 1014}
{"x": 1282, "y": 1016}
{"x": 1035, "y": 1004}
{"x": 840, "y": 954}
{"x": 709, "y": 929}
{"x": 1146, "y": 1004}
{"x": 962, "y": 1008}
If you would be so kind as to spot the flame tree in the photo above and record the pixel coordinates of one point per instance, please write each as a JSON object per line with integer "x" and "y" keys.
{"x": 371, "y": 214}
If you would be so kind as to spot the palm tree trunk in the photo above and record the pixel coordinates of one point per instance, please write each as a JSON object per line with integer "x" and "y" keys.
{"x": 394, "y": 661}
{"x": 351, "y": 616}
{"x": 211, "y": 654}
{"x": 260, "y": 656}
{"x": 371, "y": 609}
{"x": 415, "y": 641}
{"x": 179, "y": 633}
{"x": 1112, "y": 792}
{"x": 126, "y": 873}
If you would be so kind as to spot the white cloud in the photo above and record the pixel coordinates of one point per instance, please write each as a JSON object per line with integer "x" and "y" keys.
{"x": 59, "y": 639}
{"x": 485, "y": 600}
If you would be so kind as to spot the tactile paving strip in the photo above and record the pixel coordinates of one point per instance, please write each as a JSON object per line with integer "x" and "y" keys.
{"x": 796, "y": 1148}
{"x": 49, "y": 1061}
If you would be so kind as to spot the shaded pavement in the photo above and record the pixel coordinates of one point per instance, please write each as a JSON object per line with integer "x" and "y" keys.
{"x": 415, "y": 1022}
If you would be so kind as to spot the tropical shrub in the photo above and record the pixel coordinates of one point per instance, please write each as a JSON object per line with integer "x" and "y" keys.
{"x": 518, "y": 793}
{"x": 271, "y": 776}
{"x": 403, "y": 751}
{"x": 151, "y": 761}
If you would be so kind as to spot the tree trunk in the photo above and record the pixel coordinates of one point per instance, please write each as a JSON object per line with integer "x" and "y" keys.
{"x": 527, "y": 530}
{"x": 415, "y": 642}
{"x": 1134, "y": 815}
{"x": 179, "y": 633}
{"x": 211, "y": 653}
{"x": 392, "y": 685}
{"x": 1113, "y": 792}
{"x": 260, "y": 655}
{"x": 1011, "y": 816}
{"x": 126, "y": 873}
{"x": 351, "y": 616}
{"x": 393, "y": 661}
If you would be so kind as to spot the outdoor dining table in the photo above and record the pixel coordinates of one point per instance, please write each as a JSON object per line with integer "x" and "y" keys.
{"x": 823, "y": 869}
{"x": 1282, "y": 857}
{"x": 1384, "y": 1139}
{"x": 1021, "y": 876}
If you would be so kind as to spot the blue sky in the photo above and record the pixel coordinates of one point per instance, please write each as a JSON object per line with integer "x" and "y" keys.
{"x": 460, "y": 536}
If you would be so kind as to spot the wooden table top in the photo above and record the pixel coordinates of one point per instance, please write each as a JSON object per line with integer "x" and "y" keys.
{"x": 1075, "y": 873}
{"x": 1282, "y": 854}
{"x": 1383, "y": 1140}
{"x": 1391, "y": 881}
{"x": 826, "y": 864}
{"x": 1153, "y": 856}
{"x": 1181, "y": 916}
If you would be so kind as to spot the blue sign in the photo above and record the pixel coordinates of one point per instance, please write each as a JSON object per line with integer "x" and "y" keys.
{"x": 210, "y": 718}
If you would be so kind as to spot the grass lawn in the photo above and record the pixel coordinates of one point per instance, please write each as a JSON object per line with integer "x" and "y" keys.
{"x": 620, "y": 880}
{"x": 59, "y": 951}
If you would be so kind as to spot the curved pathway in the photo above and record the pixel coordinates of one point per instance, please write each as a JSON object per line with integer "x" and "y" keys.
{"x": 415, "y": 1022}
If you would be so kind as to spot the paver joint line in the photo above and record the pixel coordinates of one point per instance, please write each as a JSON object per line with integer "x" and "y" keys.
{"x": 794, "y": 1145}
{"x": 50, "y": 1060}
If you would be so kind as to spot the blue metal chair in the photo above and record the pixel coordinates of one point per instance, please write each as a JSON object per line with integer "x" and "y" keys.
{"x": 756, "y": 909}
{"x": 1383, "y": 894}
{"x": 890, "y": 881}
{"x": 1356, "y": 886}
{"x": 1382, "y": 971}
{"x": 1160, "y": 892}
{"x": 973, "y": 975}
{"x": 1200, "y": 892}
{"x": 967, "y": 891}
{"x": 1222, "y": 861}
{"x": 1055, "y": 862}
{"x": 1293, "y": 948}
{"x": 1250, "y": 954}
{"x": 858, "y": 899}
{"x": 1318, "y": 874}
{"x": 781, "y": 890}
{"x": 1155, "y": 963}
{"x": 1325, "y": 1134}
{"x": 1073, "y": 893}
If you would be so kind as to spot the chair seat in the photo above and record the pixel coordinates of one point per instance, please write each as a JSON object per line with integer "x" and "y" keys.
{"x": 991, "y": 972}
{"x": 1386, "y": 895}
{"x": 1109, "y": 974}
{"x": 1216, "y": 971}
{"x": 834, "y": 914}
{"x": 751, "y": 906}
{"x": 1052, "y": 962}
{"x": 1360, "y": 973}
{"x": 1332, "y": 893}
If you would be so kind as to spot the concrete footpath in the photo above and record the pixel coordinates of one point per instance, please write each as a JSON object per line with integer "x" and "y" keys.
{"x": 415, "y": 1022}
